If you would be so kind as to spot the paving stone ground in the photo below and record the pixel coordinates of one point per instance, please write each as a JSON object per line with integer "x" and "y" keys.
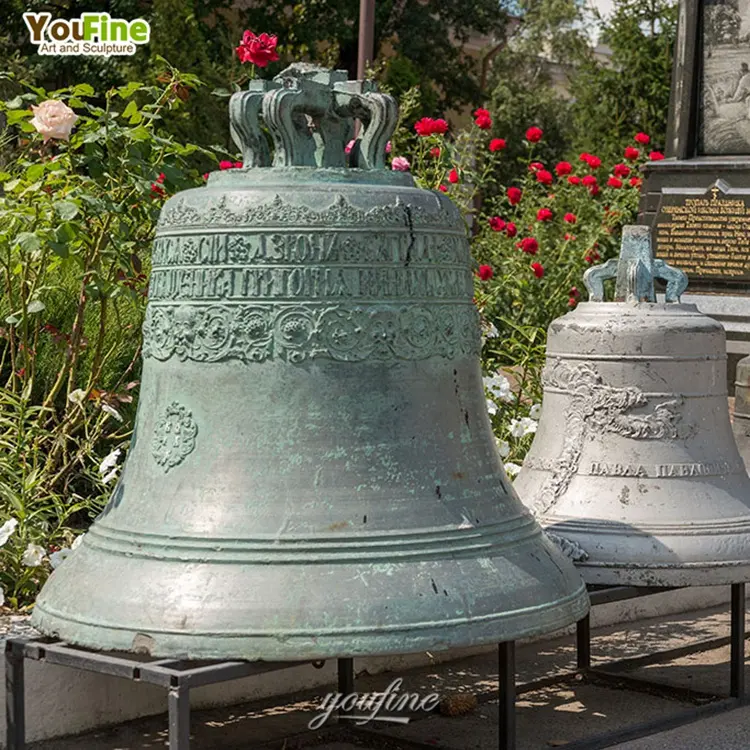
{"x": 550, "y": 716}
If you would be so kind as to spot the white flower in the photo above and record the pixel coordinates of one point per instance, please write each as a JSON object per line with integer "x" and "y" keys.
{"x": 33, "y": 556}
{"x": 77, "y": 396}
{"x": 400, "y": 164}
{"x": 77, "y": 541}
{"x": 499, "y": 386}
{"x": 2, "y": 596}
{"x": 7, "y": 529}
{"x": 53, "y": 119}
{"x": 512, "y": 469}
{"x": 503, "y": 448}
{"x": 107, "y": 478}
{"x": 491, "y": 407}
{"x": 112, "y": 412}
{"x": 57, "y": 558}
{"x": 488, "y": 330}
{"x": 110, "y": 462}
{"x": 521, "y": 427}
{"x": 535, "y": 412}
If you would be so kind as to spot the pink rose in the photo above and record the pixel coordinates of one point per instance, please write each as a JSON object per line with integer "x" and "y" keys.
{"x": 400, "y": 164}
{"x": 53, "y": 119}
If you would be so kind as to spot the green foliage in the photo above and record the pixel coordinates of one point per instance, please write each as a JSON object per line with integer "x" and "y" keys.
{"x": 76, "y": 219}
{"x": 630, "y": 93}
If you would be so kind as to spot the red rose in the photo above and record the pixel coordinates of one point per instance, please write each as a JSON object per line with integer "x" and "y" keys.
{"x": 563, "y": 168}
{"x": 485, "y": 273}
{"x": 534, "y": 135}
{"x": 435, "y": 152}
{"x": 635, "y": 182}
{"x": 483, "y": 122}
{"x": 589, "y": 259}
{"x": 225, "y": 164}
{"x": 570, "y": 237}
{"x": 632, "y": 153}
{"x": 237, "y": 165}
{"x": 497, "y": 144}
{"x": 572, "y": 302}
{"x": 621, "y": 170}
{"x": 510, "y": 229}
{"x": 642, "y": 138}
{"x": 574, "y": 292}
{"x": 570, "y": 218}
{"x": 514, "y": 195}
{"x": 497, "y": 224}
{"x": 453, "y": 176}
{"x": 157, "y": 191}
{"x": 205, "y": 175}
{"x": 589, "y": 181}
{"x": 443, "y": 188}
{"x": 538, "y": 270}
{"x": 595, "y": 190}
{"x": 574, "y": 180}
{"x": 584, "y": 157}
{"x": 423, "y": 127}
{"x": 614, "y": 182}
{"x": 655, "y": 156}
{"x": 535, "y": 166}
{"x": 528, "y": 245}
{"x": 481, "y": 112}
{"x": 593, "y": 161}
{"x": 544, "y": 177}
{"x": 439, "y": 126}
{"x": 544, "y": 214}
{"x": 258, "y": 50}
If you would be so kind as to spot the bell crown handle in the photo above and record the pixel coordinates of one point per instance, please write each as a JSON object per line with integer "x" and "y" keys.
{"x": 309, "y": 112}
{"x": 635, "y": 271}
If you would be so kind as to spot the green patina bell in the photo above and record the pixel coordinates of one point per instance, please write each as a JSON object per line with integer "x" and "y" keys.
{"x": 313, "y": 473}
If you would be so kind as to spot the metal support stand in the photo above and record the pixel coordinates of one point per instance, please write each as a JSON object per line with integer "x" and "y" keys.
{"x": 583, "y": 643}
{"x": 15, "y": 732}
{"x": 506, "y": 677}
{"x": 737, "y": 660}
{"x": 179, "y": 718}
{"x": 346, "y": 681}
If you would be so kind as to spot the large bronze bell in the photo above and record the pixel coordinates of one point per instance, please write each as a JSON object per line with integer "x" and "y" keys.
{"x": 313, "y": 473}
{"x": 633, "y": 467}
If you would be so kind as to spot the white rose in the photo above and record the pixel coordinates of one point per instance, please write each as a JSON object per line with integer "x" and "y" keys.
{"x": 53, "y": 119}
{"x": 512, "y": 469}
{"x": 33, "y": 556}
{"x": 7, "y": 529}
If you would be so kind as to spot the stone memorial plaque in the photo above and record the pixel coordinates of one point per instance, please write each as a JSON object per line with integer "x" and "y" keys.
{"x": 724, "y": 99}
{"x": 706, "y": 235}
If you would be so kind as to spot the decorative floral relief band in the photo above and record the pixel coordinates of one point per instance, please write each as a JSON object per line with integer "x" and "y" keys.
{"x": 256, "y": 333}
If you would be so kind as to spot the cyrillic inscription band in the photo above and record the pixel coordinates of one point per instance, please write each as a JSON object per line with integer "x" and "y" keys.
{"x": 652, "y": 471}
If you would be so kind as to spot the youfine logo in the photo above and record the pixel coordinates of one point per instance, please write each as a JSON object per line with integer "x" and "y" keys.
{"x": 89, "y": 34}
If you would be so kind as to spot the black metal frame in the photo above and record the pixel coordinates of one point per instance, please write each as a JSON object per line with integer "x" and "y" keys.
{"x": 179, "y": 676}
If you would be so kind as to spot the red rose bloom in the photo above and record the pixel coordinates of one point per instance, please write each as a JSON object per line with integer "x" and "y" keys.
{"x": 570, "y": 218}
{"x": 535, "y": 166}
{"x": 563, "y": 168}
{"x": 593, "y": 161}
{"x": 497, "y": 224}
{"x": 632, "y": 153}
{"x": 642, "y": 138}
{"x": 655, "y": 156}
{"x": 435, "y": 152}
{"x": 205, "y": 175}
{"x": 570, "y": 237}
{"x": 485, "y": 273}
{"x": 574, "y": 292}
{"x": 483, "y": 122}
{"x": 635, "y": 182}
{"x": 258, "y": 50}
{"x": 534, "y": 135}
{"x": 225, "y": 164}
{"x": 453, "y": 176}
{"x": 510, "y": 229}
{"x": 481, "y": 112}
{"x": 538, "y": 269}
{"x": 528, "y": 245}
{"x": 443, "y": 188}
{"x": 427, "y": 126}
{"x": 544, "y": 177}
{"x": 544, "y": 214}
{"x": 574, "y": 180}
{"x": 237, "y": 165}
{"x": 157, "y": 190}
{"x": 497, "y": 144}
{"x": 439, "y": 126}
{"x": 514, "y": 195}
{"x": 621, "y": 170}
{"x": 589, "y": 181}
{"x": 572, "y": 302}
{"x": 614, "y": 182}
{"x": 595, "y": 190}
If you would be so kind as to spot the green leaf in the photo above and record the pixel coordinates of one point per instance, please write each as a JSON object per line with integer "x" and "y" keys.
{"x": 65, "y": 232}
{"x": 34, "y": 172}
{"x": 221, "y": 92}
{"x": 12, "y": 320}
{"x": 60, "y": 249}
{"x": 14, "y": 103}
{"x": 129, "y": 89}
{"x": 35, "y": 306}
{"x": 83, "y": 89}
{"x": 17, "y": 115}
{"x": 28, "y": 242}
{"x": 66, "y": 209}
{"x": 131, "y": 111}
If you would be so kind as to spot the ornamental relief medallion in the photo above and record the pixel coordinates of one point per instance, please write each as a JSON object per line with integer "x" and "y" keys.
{"x": 256, "y": 333}
{"x": 174, "y": 436}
